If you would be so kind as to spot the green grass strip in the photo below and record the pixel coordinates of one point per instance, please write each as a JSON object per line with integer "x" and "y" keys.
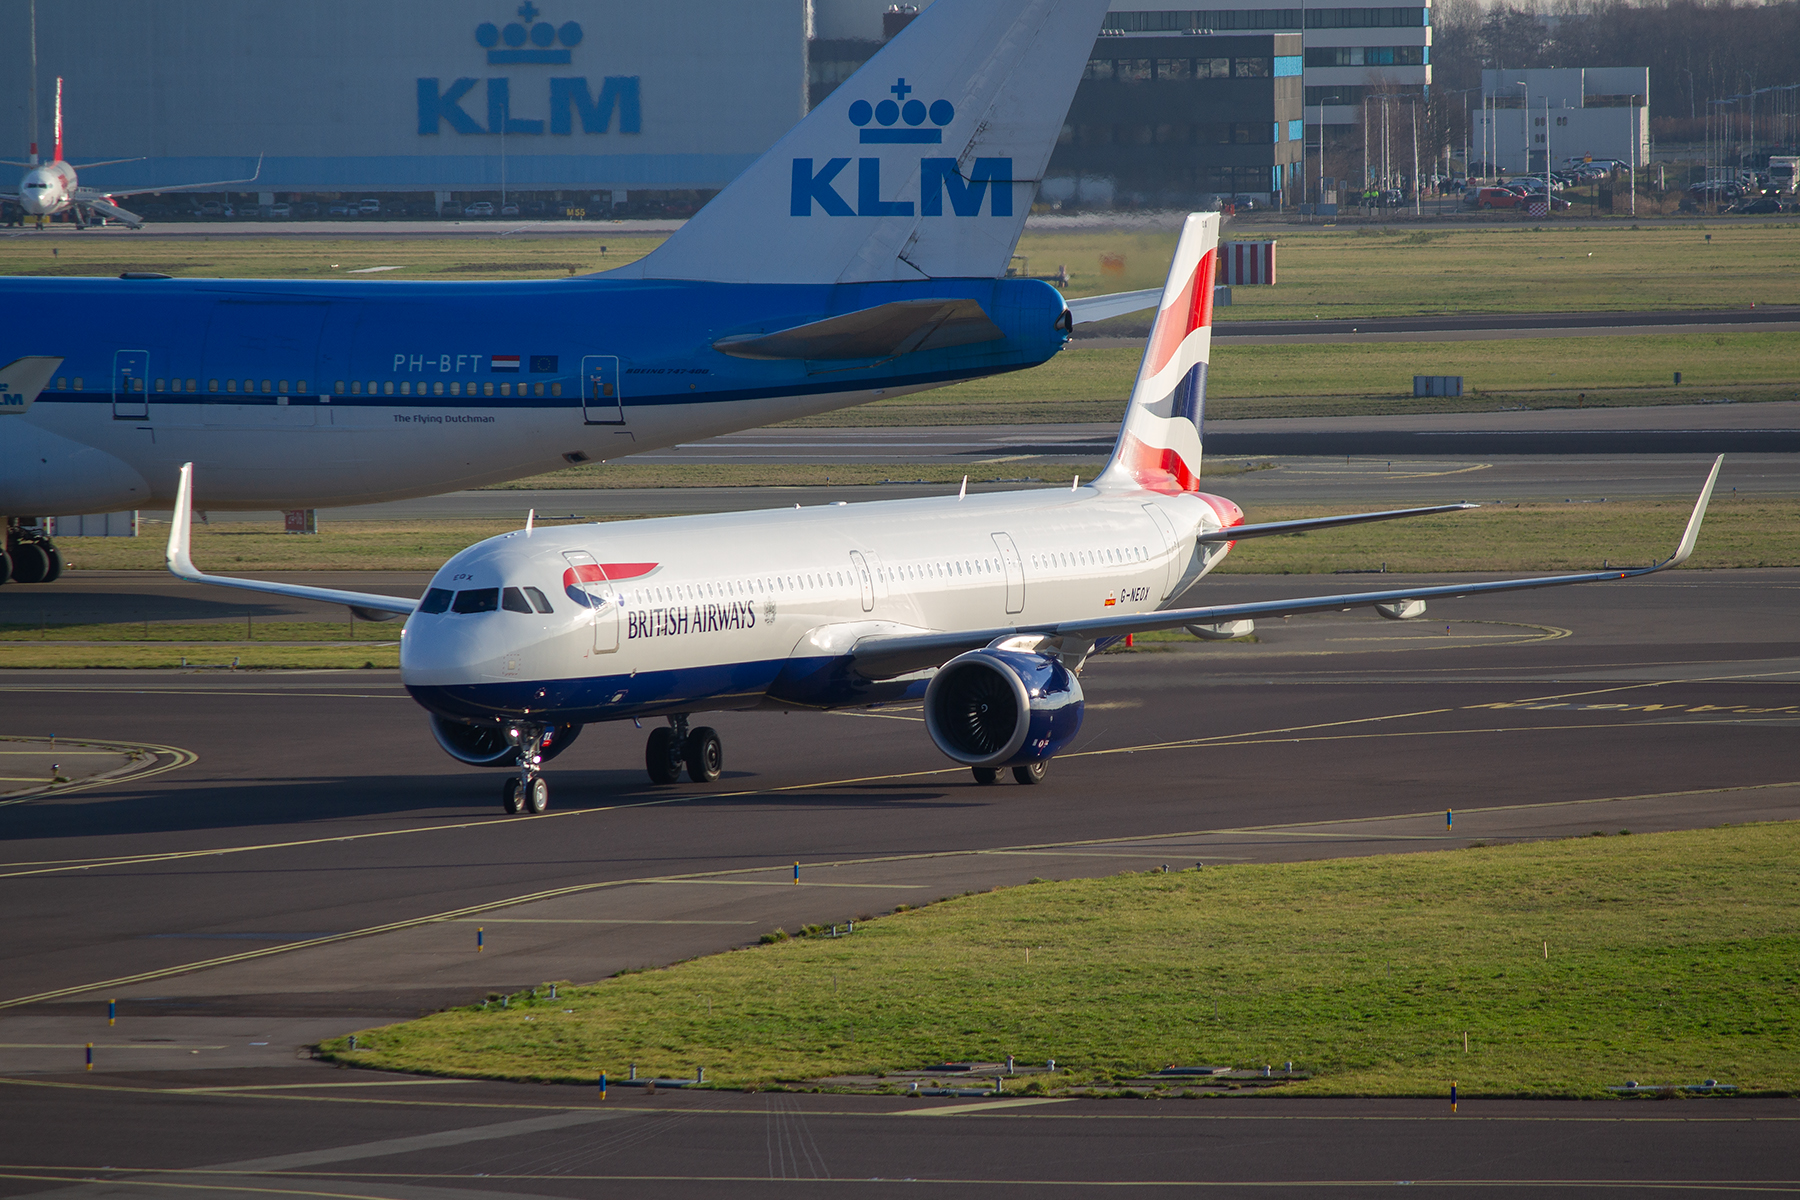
{"x": 1570, "y": 965}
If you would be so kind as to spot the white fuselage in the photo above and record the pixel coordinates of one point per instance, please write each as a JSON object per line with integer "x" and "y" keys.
{"x": 48, "y": 189}
{"x": 742, "y": 610}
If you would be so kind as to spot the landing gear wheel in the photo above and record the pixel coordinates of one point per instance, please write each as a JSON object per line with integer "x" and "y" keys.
{"x": 56, "y": 565}
{"x": 985, "y": 776}
{"x": 536, "y": 795}
{"x": 660, "y": 757}
{"x": 704, "y": 754}
{"x": 1032, "y": 772}
{"x": 5, "y": 566}
{"x": 30, "y": 563}
{"x": 509, "y": 795}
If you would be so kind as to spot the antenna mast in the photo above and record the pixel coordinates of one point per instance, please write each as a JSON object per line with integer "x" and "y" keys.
{"x": 33, "y": 109}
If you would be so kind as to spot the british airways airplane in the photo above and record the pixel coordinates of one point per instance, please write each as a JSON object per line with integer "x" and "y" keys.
{"x": 984, "y": 607}
{"x": 864, "y": 255}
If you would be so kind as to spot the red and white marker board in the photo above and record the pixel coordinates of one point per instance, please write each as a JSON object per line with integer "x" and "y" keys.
{"x": 1247, "y": 262}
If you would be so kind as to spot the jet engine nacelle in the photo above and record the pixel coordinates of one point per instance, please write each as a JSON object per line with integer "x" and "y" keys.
{"x": 486, "y": 745}
{"x": 1001, "y": 708}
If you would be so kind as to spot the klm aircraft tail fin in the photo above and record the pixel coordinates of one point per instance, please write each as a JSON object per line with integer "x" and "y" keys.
{"x": 922, "y": 165}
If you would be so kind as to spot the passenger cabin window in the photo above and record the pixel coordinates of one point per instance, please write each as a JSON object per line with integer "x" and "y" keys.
{"x": 476, "y": 600}
{"x": 436, "y": 600}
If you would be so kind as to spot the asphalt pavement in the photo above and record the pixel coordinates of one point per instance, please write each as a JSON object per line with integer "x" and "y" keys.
{"x": 316, "y": 865}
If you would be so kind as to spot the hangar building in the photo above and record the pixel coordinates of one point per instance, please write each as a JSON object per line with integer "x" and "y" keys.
{"x": 417, "y": 96}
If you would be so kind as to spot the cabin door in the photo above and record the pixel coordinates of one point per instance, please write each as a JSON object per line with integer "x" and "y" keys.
{"x": 601, "y": 403}
{"x": 585, "y": 583}
{"x": 130, "y": 399}
{"x": 1015, "y": 572}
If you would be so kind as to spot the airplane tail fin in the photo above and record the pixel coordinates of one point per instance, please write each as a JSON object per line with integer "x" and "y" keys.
{"x": 59, "y": 156}
{"x": 922, "y": 165}
{"x": 23, "y": 378}
{"x": 1159, "y": 442}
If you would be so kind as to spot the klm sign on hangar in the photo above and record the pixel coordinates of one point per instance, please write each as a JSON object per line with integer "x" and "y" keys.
{"x": 415, "y": 95}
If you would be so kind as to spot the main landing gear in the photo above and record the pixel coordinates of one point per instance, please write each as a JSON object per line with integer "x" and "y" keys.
{"x": 527, "y": 792}
{"x": 27, "y": 556}
{"x": 1027, "y": 773}
{"x": 674, "y": 746}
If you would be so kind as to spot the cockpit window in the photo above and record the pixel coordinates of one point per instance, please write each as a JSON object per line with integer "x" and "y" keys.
{"x": 436, "y": 600}
{"x": 538, "y": 601}
{"x": 477, "y": 600}
{"x": 513, "y": 600}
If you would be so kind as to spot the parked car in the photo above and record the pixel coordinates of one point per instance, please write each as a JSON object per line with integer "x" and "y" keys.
{"x": 211, "y": 208}
{"x": 280, "y": 212}
{"x": 1494, "y": 197}
{"x": 509, "y": 210}
{"x": 369, "y": 206}
{"x": 1556, "y": 203}
{"x": 480, "y": 208}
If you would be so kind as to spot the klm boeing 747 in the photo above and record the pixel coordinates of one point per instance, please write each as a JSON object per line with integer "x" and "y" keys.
{"x": 863, "y": 256}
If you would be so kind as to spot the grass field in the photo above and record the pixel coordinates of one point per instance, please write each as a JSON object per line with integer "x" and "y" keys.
{"x": 1371, "y": 378}
{"x": 521, "y": 256}
{"x": 213, "y": 655}
{"x": 1356, "y": 272}
{"x": 156, "y": 644}
{"x": 1340, "y": 272}
{"x": 1740, "y": 532}
{"x": 1570, "y": 966}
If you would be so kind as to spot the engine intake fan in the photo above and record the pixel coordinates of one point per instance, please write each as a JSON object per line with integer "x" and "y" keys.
{"x": 486, "y": 745}
{"x": 999, "y": 708}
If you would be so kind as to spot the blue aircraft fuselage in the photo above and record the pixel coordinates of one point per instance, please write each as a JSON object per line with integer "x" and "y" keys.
{"x": 311, "y": 394}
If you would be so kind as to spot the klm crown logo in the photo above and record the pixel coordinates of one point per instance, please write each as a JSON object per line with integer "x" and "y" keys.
{"x": 901, "y": 111}
{"x": 901, "y": 121}
{"x": 548, "y": 44}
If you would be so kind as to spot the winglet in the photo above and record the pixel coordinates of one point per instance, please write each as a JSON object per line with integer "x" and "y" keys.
{"x": 371, "y": 606}
{"x": 181, "y": 527}
{"x": 1692, "y": 534}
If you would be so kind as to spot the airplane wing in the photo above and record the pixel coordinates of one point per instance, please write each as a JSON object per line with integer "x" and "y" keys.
{"x": 1098, "y": 308}
{"x": 376, "y": 606}
{"x": 882, "y": 657}
{"x": 89, "y": 195}
{"x": 1237, "y": 533}
{"x": 885, "y": 331}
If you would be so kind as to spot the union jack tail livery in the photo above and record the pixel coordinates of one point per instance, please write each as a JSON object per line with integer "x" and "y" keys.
{"x": 1159, "y": 443}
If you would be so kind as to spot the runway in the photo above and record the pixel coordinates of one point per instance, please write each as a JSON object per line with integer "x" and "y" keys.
{"x": 320, "y": 866}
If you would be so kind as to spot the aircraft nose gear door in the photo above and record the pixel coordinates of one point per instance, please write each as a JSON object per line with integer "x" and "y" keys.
{"x": 130, "y": 403}
{"x": 585, "y": 583}
{"x": 601, "y": 403}
{"x": 1015, "y": 573}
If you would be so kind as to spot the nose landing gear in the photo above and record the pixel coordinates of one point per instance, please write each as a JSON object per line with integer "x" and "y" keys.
{"x": 675, "y": 746}
{"x": 527, "y": 792}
